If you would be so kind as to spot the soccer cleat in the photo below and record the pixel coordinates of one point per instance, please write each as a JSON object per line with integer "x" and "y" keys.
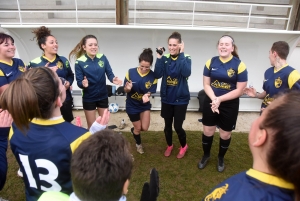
{"x": 221, "y": 165}
{"x": 203, "y": 162}
{"x": 139, "y": 148}
{"x": 20, "y": 173}
{"x": 168, "y": 151}
{"x": 182, "y": 151}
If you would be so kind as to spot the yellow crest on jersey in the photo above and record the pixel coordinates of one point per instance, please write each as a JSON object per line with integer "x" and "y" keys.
{"x": 278, "y": 82}
{"x": 101, "y": 64}
{"x": 217, "y": 193}
{"x": 21, "y": 68}
{"x": 137, "y": 96}
{"x": 148, "y": 84}
{"x": 59, "y": 65}
{"x": 230, "y": 72}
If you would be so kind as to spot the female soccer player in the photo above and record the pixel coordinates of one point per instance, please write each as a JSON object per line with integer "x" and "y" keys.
{"x": 48, "y": 44}
{"x": 277, "y": 78}
{"x": 10, "y": 68}
{"x": 174, "y": 69}
{"x": 139, "y": 83}
{"x": 275, "y": 171}
{"x": 40, "y": 139}
{"x": 224, "y": 78}
{"x": 90, "y": 70}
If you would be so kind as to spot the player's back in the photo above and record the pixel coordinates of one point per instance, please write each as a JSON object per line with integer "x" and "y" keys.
{"x": 44, "y": 154}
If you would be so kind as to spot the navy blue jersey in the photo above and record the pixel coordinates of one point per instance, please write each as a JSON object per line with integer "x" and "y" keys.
{"x": 44, "y": 154}
{"x": 94, "y": 70}
{"x": 252, "y": 185}
{"x": 174, "y": 89}
{"x": 10, "y": 71}
{"x": 224, "y": 75}
{"x": 141, "y": 85}
{"x": 64, "y": 70}
{"x": 277, "y": 81}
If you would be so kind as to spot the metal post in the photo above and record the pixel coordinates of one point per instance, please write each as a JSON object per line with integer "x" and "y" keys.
{"x": 193, "y": 14}
{"x": 76, "y": 13}
{"x": 249, "y": 17}
{"x": 20, "y": 16}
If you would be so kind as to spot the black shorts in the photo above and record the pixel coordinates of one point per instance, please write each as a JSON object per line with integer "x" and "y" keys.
{"x": 134, "y": 117}
{"x": 226, "y": 120}
{"x": 66, "y": 110}
{"x": 94, "y": 105}
{"x": 177, "y": 111}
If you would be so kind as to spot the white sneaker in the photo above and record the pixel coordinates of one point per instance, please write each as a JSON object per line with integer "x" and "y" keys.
{"x": 20, "y": 174}
{"x": 139, "y": 148}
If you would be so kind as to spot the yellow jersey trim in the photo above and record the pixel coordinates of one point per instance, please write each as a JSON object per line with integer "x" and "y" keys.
{"x": 142, "y": 75}
{"x": 242, "y": 67}
{"x": 7, "y": 63}
{"x": 1, "y": 73}
{"x": 275, "y": 71}
{"x": 270, "y": 179}
{"x": 49, "y": 59}
{"x": 11, "y": 132}
{"x": 47, "y": 122}
{"x": 36, "y": 60}
{"x": 155, "y": 81}
{"x": 82, "y": 58}
{"x": 74, "y": 145}
{"x": 98, "y": 55}
{"x": 226, "y": 60}
{"x": 207, "y": 64}
{"x": 293, "y": 78}
{"x": 127, "y": 75}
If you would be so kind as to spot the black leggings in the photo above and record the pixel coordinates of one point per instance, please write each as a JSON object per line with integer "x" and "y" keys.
{"x": 179, "y": 130}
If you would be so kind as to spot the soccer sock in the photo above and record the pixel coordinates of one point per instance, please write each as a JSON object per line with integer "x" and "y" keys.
{"x": 206, "y": 144}
{"x": 223, "y": 146}
{"x": 137, "y": 138}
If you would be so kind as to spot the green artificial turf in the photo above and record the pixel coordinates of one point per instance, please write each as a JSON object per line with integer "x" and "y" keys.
{"x": 180, "y": 179}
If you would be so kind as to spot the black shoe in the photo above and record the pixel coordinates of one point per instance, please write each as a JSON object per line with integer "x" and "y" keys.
{"x": 221, "y": 165}
{"x": 203, "y": 162}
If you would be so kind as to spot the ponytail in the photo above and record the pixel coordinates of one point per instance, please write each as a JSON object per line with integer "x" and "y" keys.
{"x": 30, "y": 96}
{"x": 78, "y": 50}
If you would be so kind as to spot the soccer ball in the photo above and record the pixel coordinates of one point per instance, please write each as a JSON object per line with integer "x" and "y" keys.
{"x": 113, "y": 107}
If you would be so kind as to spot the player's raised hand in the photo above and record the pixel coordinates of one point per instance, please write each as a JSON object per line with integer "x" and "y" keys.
{"x": 85, "y": 82}
{"x": 104, "y": 119}
{"x": 128, "y": 85}
{"x": 53, "y": 68}
{"x": 181, "y": 46}
{"x": 5, "y": 119}
{"x": 117, "y": 81}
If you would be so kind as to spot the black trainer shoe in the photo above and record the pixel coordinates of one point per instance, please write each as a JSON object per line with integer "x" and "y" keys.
{"x": 221, "y": 165}
{"x": 203, "y": 162}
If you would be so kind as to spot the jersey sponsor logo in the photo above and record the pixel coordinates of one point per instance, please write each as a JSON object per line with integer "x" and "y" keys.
{"x": 85, "y": 66}
{"x": 137, "y": 96}
{"x": 148, "y": 84}
{"x": 166, "y": 62}
{"x": 8, "y": 74}
{"x": 214, "y": 69}
{"x": 278, "y": 82}
{"x": 230, "y": 72}
{"x": 21, "y": 68}
{"x": 101, "y": 64}
{"x": 220, "y": 85}
{"x": 267, "y": 100}
{"x": 59, "y": 65}
{"x": 172, "y": 81}
{"x": 217, "y": 193}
